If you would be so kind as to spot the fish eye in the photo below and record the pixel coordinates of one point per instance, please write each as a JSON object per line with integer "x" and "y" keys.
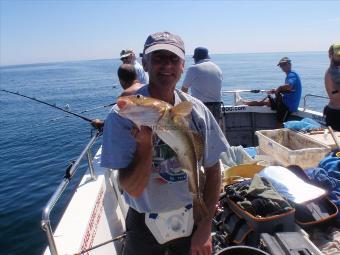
{"x": 139, "y": 96}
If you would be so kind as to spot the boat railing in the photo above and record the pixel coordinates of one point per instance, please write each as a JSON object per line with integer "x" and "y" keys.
{"x": 71, "y": 170}
{"x": 237, "y": 93}
{"x": 311, "y": 95}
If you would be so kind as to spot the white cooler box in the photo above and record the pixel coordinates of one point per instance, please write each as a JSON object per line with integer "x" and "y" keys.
{"x": 291, "y": 148}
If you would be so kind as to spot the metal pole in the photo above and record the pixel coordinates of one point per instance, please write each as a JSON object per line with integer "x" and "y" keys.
{"x": 46, "y": 223}
{"x": 311, "y": 95}
{"x": 90, "y": 163}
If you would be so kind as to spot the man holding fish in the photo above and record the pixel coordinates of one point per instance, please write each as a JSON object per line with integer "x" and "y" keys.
{"x": 159, "y": 139}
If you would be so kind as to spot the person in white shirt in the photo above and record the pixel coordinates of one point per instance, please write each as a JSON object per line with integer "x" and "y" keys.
{"x": 128, "y": 57}
{"x": 204, "y": 79}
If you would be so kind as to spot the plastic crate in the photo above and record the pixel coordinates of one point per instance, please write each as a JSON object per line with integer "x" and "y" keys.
{"x": 291, "y": 148}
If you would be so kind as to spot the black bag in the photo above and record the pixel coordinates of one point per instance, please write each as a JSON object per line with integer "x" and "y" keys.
{"x": 277, "y": 223}
{"x": 315, "y": 212}
{"x": 273, "y": 213}
{"x": 236, "y": 228}
{"x": 244, "y": 228}
{"x": 287, "y": 243}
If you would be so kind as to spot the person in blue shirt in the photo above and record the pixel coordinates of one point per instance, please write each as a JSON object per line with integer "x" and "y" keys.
{"x": 287, "y": 96}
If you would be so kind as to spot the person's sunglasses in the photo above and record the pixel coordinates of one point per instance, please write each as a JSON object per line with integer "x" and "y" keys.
{"x": 283, "y": 64}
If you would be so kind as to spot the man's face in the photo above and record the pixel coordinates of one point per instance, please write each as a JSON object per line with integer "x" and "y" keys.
{"x": 285, "y": 67}
{"x": 164, "y": 67}
{"x": 127, "y": 60}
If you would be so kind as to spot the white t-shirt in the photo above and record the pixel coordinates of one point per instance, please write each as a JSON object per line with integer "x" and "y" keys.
{"x": 142, "y": 76}
{"x": 204, "y": 80}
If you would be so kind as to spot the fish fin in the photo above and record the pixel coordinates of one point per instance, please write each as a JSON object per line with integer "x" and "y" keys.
{"x": 181, "y": 110}
{"x": 198, "y": 144}
{"x": 200, "y": 210}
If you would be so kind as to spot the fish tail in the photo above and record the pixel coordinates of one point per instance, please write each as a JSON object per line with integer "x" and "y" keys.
{"x": 200, "y": 209}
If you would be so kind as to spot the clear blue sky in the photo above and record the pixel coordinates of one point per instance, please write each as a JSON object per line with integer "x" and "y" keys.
{"x": 47, "y": 31}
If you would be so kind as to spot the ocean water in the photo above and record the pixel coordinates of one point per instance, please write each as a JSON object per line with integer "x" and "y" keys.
{"x": 38, "y": 142}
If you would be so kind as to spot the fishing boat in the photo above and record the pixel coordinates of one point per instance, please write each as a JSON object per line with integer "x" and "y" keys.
{"x": 94, "y": 220}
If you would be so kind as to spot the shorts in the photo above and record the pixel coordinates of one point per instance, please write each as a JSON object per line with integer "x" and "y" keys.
{"x": 282, "y": 111}
{"x": 139, "y": 240}
{"x": 332, "y": 117}
{"x": 214, "y": 108}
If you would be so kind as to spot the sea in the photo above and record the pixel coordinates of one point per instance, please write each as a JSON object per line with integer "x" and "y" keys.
{"x": 38, "y": 141}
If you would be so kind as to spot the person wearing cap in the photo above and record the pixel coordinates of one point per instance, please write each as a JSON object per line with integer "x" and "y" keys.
{"x": 204, "y": 79}
{"x": 287, "y": 96}
{"x": 153, "y": 183}
{"x": 332, "y": 84}
{"x": 128, "y": 56}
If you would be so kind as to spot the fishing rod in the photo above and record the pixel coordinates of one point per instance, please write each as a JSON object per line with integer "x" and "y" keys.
{"x": 117, "y": 238}
{"x": 252, "y": 91}
{"x": 87, "y": 110}
{"x": 246, "y": 90}
{"x": 52, "y": 105}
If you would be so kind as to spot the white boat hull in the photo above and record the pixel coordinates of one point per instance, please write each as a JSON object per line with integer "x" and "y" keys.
{"x": 92, "y": 217}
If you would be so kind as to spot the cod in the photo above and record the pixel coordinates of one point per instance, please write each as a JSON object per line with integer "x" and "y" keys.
{"x": 171, "y": 126}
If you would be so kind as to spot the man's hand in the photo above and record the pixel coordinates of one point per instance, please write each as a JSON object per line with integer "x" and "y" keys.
{"x": 284, "y": 88}
{"x": 272, "y": 91}
{"x": 97, "y": 123}
{"x": 201, "y": 239}
{"x": 135, "y": 177}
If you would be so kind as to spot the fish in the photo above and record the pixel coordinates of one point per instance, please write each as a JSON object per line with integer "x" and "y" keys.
{"x": 171, "y": 125}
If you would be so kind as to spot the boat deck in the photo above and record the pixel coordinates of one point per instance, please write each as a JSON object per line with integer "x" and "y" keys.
{"x": 97, "y": 211}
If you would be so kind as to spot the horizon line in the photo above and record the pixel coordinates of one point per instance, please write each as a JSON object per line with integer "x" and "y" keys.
{"x": 96, "y": 59}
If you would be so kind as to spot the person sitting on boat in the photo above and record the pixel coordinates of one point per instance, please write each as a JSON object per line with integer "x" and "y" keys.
{"x": 332, "y": 84}
{"x": 204, "y": 79}
{"x": 128, "y": 57}
{"x": 128, "y": 80}
{"x": 287, "y": 96}
{"x": 152, "y": 186}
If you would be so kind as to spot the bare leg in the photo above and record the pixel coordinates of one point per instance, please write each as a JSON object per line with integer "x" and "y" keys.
{"x": 263, "y": 102}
